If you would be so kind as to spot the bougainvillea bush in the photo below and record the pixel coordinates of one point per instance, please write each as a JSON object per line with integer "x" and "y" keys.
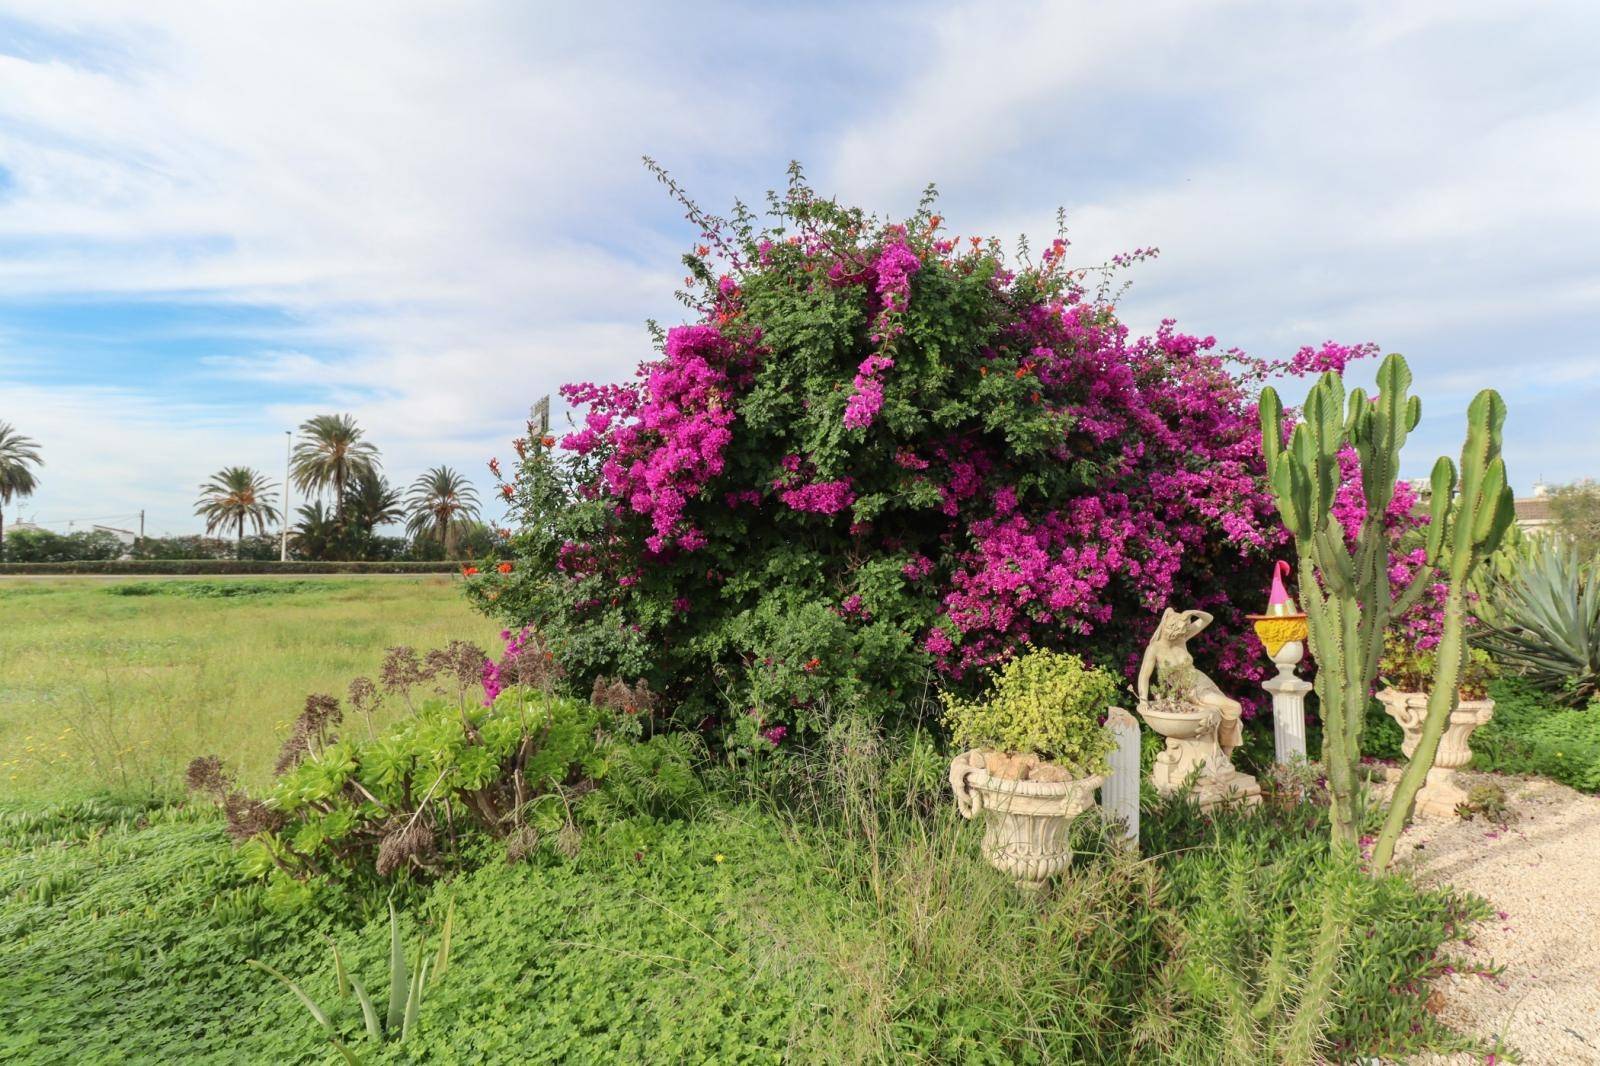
{"x": 881, "y": 456}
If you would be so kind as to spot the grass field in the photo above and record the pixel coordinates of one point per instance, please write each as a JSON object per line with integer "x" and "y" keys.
{"x": 112, "y": 686}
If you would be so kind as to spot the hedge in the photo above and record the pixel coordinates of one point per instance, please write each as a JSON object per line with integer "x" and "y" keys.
{"x": 225, "y": 566}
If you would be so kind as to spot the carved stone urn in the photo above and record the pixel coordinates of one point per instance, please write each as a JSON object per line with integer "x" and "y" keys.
{"x": 1193, "y": 756}
{"x": 1025, "y": 821}
{"x": 1440, "y": 795}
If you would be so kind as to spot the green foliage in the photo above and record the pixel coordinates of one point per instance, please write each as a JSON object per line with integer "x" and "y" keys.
{"x": 1575, "y": 514}
{"x": 848, "y": 918}
{"x": 1529, "y": 735}
{"x": 43, "y": 546}
{"x": 1544, "y": 621}
{"x": 1043, "y": 702}
{"x": 218, "y": 590}
{"x": 1486, "y": 799}
{"x": 402, "y": 801}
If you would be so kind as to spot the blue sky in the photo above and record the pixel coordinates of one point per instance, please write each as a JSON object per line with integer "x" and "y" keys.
{"x": 216, "y": 220}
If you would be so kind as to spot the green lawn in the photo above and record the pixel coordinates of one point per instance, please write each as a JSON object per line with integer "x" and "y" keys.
{"x": 103, "y": 690}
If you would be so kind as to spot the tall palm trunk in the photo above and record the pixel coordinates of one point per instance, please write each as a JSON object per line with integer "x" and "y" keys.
{"x": 238, "y": 543}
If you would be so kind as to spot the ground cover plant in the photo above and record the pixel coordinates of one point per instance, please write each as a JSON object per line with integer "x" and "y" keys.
{"x": 102, "y": 691}
{"x": 836, "y": 910}
{"x": 1529, "y": 734}
{"x": 881, "y": 455}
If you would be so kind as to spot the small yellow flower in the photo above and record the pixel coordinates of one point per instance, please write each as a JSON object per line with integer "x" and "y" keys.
{"x": 718, "y": 857}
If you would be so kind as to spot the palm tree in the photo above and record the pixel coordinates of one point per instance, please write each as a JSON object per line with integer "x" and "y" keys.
{"x": 442, "y": 503}
{"x": 371, "y": 501}
{"x": 318, "y": 534}
{"x": 332, "y": 455}
{"x": 17, "y": 480}
{"x": 236, "y": 495}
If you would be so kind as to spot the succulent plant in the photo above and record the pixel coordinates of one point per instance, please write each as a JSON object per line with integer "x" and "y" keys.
{"x": 1345, "y": 590}
{"x": 1543, "y": 620}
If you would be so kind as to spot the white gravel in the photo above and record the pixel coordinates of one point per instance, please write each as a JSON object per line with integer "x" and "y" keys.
{"x": 1542, "y": 875}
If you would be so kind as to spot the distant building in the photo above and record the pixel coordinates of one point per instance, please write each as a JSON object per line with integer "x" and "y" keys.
{"x": 1533, "y": 512}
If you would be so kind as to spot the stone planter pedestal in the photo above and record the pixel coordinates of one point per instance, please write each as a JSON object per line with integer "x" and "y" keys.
{"x": 1441, "y": 793}
{"x": 1025, "y": 822}
{"x": 1194, "y": 759}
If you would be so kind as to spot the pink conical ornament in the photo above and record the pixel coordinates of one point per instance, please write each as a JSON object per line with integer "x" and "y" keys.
{"x": 1279, "y": 603}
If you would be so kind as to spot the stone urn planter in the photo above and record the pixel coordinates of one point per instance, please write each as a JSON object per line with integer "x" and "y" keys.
{"x": 1194, "y": 757}
{"x": 1025, "y": 820}
{"x": 1440, "y": 795}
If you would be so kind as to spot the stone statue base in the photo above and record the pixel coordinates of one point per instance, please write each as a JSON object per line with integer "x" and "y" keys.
{"x": 1193, "y": 760}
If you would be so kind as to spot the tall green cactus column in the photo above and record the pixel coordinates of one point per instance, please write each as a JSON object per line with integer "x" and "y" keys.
{"x": 1345, "y": 590}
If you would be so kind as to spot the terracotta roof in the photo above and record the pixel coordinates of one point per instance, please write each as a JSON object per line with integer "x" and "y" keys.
{"x": 1533, "y": 509}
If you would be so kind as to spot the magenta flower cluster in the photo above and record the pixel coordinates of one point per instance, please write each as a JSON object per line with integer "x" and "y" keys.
{"x": 1047, "y": 477}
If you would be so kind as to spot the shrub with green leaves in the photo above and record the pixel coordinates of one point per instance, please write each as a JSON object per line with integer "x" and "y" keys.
{"x": 402, "y": 800}
{"x": 1042, "y": 702}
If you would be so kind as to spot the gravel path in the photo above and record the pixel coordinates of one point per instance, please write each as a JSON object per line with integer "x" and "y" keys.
{"x": 1542, "y": 874}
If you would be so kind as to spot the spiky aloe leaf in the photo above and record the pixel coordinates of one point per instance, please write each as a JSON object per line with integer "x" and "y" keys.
{"x": 369, "y": 1011}
{"x": 399, "y": 974}
{"x": 414, "y": 995}
{"x": 441, "y": 961}
{"x": 310, "y": 1004}
{"x": 338, "y": 966}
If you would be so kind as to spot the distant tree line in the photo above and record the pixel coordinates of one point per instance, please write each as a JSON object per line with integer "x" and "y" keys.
{"x": 334, "y": 468}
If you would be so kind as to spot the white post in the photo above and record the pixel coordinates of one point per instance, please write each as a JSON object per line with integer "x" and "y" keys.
{"x": 1288, "y": 704}
{"x": 1119, "y": 796}
{"x": 283, "y": 536}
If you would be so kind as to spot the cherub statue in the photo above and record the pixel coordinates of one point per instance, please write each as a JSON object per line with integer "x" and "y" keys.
{"x": 1168, "y": 654}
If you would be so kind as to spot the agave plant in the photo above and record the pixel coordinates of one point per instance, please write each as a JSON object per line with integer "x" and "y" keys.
{"x": 407, "y": 982}
{"x": 1544, "y": 621}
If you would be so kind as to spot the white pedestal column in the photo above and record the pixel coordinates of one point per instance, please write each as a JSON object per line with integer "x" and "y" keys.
{"x": 1288, "y": 704}
{"x": 1119, "y": 796}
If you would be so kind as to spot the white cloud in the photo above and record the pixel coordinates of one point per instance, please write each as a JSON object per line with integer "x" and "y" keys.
{"x": 1422, "y": 174}
{"x": 446, "y": 202}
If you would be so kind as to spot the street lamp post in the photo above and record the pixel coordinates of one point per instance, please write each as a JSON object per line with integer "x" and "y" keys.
{"x": 283, "y": 538}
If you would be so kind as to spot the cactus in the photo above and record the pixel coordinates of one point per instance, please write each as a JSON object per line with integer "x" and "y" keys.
{"x": 1346, "y": 593}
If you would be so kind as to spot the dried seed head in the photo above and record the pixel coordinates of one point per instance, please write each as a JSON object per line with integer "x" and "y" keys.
{"x": 316, "y": 722}
{"x": 321, "y": 714}
{"x": 249, "y": 817}
{"x": 523, "y": 841}
{"x": 399, "y": 847}
{"x": 364, "y": 696}
{"x": 568, "y": 840}
{"x": 208, "y": 776}
{"x": 460, "y": 661}
{"x": 401, "y": 670}
{"x": 614, "y": 694}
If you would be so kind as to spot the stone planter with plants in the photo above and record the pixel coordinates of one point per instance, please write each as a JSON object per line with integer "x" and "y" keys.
{"x": 1407, "y": 674}
{"x": 1035, "y": 752}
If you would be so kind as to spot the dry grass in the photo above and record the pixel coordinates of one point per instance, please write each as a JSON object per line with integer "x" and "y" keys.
{"x": 107, "y": 692}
